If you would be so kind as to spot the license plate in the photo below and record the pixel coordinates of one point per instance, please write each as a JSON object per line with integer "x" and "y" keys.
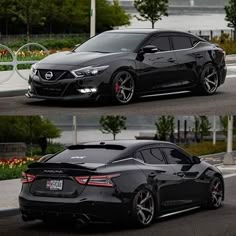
{"x": 54, "y": 185}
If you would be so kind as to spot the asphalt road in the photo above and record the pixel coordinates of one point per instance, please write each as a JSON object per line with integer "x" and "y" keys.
{"x": 183, "y": 104}
{"x": 197, "y": 223}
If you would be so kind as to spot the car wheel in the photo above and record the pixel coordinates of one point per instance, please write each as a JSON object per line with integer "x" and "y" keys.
{"x": 209, "y": 80}
{"x": 123, "y": 87}
{"x": 215, "y": 194}
{"x": 143, "y": 209}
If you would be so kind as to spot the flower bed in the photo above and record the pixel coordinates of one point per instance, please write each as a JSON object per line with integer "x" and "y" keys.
{"x": 12, "y": 169}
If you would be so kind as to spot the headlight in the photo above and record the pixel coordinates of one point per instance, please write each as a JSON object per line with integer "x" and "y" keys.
{"x": 89, "y": 71}
{"x": 33, "y": 69}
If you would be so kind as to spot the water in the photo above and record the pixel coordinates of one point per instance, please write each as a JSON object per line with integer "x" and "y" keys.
{"x": 193, "y": 22}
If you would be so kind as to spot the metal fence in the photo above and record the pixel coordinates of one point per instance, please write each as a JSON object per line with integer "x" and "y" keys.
{"x": 34, "y": 37}
{"x": 210, "y": 34}
{"x": 4, "y": 39}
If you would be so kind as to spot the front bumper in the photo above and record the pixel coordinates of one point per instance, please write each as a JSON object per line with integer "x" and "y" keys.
{"x": 68, "y": 89}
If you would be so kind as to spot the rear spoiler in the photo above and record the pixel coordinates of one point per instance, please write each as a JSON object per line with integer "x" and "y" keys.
{"x": 60, "y": 165}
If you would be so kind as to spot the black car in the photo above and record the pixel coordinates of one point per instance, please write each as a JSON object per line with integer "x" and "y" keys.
{"x": 134, "y": 181}
{"x": 124, "y": 64}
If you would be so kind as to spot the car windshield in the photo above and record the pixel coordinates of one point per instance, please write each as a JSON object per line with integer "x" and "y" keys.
{"x": 112, "y": 42}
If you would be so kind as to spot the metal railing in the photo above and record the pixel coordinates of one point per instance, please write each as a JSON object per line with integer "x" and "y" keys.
{"x": 14, "y": 62}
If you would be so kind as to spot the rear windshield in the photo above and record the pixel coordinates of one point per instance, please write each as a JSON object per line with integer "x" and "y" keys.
{"x": 86, "y": 155}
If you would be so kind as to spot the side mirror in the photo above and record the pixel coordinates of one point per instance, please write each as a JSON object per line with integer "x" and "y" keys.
{"x": 196, "y": 160}
{"x": 150, "y": 49}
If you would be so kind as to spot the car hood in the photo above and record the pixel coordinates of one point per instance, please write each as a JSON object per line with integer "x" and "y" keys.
{"x": 79, "y": 59}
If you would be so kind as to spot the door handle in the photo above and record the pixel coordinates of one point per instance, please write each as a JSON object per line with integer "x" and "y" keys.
{"x": 181, "y": 174}
{"x": 152, "y": 174}
{"x": 199, "y": 56}
{"x": 172, "y": 60}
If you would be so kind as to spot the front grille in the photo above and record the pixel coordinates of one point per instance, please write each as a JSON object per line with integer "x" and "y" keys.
{"x": 57, "y": 74}
{"x": 49, "y": 91}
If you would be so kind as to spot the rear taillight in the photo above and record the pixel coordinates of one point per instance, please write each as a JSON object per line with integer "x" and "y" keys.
{"x": 27, "y": 178}
{"x": 97, "y": 180}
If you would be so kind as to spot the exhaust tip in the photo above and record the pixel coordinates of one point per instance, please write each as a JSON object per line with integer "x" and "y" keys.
{"x": 26, "y": 218}
{"x": 83, "y": 220}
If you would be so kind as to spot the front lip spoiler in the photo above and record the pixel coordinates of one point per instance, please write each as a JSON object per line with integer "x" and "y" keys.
{"x": 69, "y": 98}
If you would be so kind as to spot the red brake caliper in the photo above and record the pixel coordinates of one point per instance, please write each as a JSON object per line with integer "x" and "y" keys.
{"x": 117, "y": 88}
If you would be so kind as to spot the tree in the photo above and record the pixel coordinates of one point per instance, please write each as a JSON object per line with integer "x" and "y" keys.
{"x": 112, "y": 125}
{"x": 165, "y": 127}
{"x": 151, "y": 10}
{"x": 26, "y": 129}
{"x": 202, "y": 127}
{"x": 28, "y": 12}
{"x": 5, "y": 13}
{"x": 109, "y": 16}
{"x": 230, "y": 11}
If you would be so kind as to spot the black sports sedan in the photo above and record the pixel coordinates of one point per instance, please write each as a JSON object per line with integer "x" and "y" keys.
{"x": 124, "y": 64}
{"x": 134, "y": 181}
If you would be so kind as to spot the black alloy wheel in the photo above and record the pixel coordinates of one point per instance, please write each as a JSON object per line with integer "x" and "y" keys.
{"x": 123, "y": 87}
{"x": 216, "y": 194}
{"x": 143, "y": 208}
{"x": 209, "y": 80}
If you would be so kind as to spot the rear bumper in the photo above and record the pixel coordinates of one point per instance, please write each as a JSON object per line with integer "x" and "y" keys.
{"x": 94, "y": 210}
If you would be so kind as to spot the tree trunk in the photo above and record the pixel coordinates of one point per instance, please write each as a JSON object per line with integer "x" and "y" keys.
{"x": 235, "y": 33}
{"x": 153, "y": 24}
{"x": 114, "y": 136}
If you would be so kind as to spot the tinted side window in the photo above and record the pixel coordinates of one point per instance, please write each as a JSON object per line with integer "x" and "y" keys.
{"x": 139, "y": 156}
{"x": 194, "y": 41}
{"x": 162, "y": 43}
{"x": 181, "y": 42}
{"x": 153, "y": 156}
{"x": 174, "y": 156}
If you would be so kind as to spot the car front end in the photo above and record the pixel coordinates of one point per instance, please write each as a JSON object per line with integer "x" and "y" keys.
{"x": 63, "y": 82}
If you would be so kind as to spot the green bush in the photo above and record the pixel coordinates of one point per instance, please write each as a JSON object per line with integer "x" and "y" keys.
{"x": 51, "y": 149}
{"x": 205, "y": 148}
{"x": 224, "y": 41}
{"x": 54, "y": 43}
{"x": 13, "y": 168}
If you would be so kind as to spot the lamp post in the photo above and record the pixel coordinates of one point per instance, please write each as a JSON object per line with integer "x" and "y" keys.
{"x": 214, "y": 130}
{"x": 75, "y": 130}
{"x": 93, "y": 18}
{"x": 229, "y": 158}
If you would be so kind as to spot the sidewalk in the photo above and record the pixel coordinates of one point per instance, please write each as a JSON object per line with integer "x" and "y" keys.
{"x": 10, "y": 189}
{"x": 17, "y": 86}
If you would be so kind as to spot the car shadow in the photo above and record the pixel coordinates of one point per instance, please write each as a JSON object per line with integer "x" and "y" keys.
{"x": 107, "y": 103}
{"x": 98, "y": 228}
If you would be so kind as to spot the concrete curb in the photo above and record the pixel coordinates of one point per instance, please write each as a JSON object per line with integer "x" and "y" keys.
{"x": 6, "y": 212}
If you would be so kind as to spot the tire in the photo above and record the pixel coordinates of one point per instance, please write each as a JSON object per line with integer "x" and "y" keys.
{"x": 123, "y": 87}
{"x": 209, "y": 80}
{"x": 215, "y": 196}
{"x": 143, "y": 208}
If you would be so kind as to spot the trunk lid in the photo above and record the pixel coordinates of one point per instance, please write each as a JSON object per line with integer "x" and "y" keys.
{"x": 58, "y": 179}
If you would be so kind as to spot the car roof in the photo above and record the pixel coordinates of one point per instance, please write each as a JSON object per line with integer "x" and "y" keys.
{"x": 130, "y": 144}
{"x": 147, "y": 31}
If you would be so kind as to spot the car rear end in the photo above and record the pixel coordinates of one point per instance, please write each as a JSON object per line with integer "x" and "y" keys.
{"x": 52, "y": 190}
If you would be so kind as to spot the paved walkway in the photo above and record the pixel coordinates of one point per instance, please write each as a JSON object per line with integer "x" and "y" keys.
{"x": 14, "y": 86}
